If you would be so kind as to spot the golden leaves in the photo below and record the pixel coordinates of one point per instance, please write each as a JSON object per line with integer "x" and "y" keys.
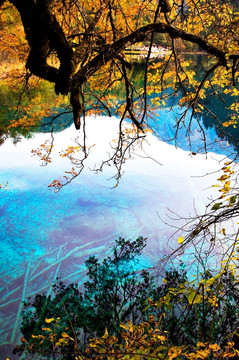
{"x": 225, "y": 188}
{"x": 49, "y": 320}
{"x": 180, "y": 240}
{"x": 174, "y": 352}
{"x": 70, "y": 150}
{"x": 35, "y": 107}
{"x": 46, "y": 329}
{"x": 56, "y": 185}
{"x": 232, "y": 122}
{"x": 44, "y": 152}
{"x": 55, "y": 334}
{"x": 147, "y": 340}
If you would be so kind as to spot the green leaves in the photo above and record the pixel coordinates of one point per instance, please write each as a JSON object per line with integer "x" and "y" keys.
{"x": 216, "y": 206}
{"x": 233, "y": 199}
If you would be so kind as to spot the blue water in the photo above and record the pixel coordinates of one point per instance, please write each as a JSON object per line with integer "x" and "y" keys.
{"x": 46, "y": 234}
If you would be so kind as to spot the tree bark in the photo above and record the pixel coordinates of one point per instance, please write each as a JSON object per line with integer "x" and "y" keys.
{"x": 44, "y": 35}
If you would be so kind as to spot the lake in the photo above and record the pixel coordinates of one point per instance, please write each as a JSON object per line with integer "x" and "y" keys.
{"x": 46, "y": 234}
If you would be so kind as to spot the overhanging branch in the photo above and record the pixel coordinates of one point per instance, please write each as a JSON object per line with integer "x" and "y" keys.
{"x": 111, "y": 51}
{"x": 45, "y": 34}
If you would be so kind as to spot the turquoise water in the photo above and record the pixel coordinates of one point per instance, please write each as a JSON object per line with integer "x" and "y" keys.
{"x": 46, "y": 234}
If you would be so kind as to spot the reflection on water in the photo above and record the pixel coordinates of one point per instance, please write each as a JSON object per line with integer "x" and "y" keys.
{"x": 217, "y": 109}
{"x": 46, "y": 234}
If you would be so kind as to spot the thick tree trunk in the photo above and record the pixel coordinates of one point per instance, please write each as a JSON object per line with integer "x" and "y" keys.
{"x": 44, "y": 35}
{"x": 36, "y": 34}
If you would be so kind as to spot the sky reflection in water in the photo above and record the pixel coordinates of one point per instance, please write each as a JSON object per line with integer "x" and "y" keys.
{"x": 46, "y": 234}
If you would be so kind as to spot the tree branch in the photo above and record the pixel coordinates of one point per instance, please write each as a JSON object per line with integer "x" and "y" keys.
{"x": 111, "y": 51}
{"x": 45, "y": 34}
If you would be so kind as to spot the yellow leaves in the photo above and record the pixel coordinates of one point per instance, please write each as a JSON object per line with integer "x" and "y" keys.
{"x": 72, "y": 172}
{"x": 55, "y": 334}
{"x": 106, "y": 335}
{"x": 233, "y": 92}
{"x": 157, "y": 101}
{"x": 56, "y": 184}
{"x": 46, "y": 329}
{"x": 223, "y": 231}
{"x": 124, "y": 326}
{"x": 206, "y": 350}
{"x": 129, "y": 326}
{"x": 214, "y": 347}
{"x": 41, "y": 337}
{"x": 70, "y": 150}
{"x": 186, "y": 99}
{"x": 200, "y": 354}
{"x": 213, "y": 301}
{"x": 180, "y": 240}
{"x": 230, "y": 123}
{"x": 223, "y": 177}
{"x": 143, "y": 342}
{"x": 199, "y": 20}
{"x": 65, "y": 335}
{"x": 230, "y": 352}
{"x": 226, "y": 187}
{"x": 227, "y": 168}
{"x": 174, "y": 352}
{"x": 194, "y": 297}
{"x": 13, "y": 43}
{"x": 48, "y": 321}
{"x": 43, "y": 152}
{"x": 162, "y": 338}
{"x": 33, "y": 109}
{"x": 235, "y": 106}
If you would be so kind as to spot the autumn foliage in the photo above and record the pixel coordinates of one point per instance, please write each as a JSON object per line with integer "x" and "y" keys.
{"x": 80, "y": 48}
{"x": 81, "y": 53}
{"x": 124, "y": 313}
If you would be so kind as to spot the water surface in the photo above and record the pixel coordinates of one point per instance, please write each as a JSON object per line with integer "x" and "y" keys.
{"x": 46, "y": 234}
